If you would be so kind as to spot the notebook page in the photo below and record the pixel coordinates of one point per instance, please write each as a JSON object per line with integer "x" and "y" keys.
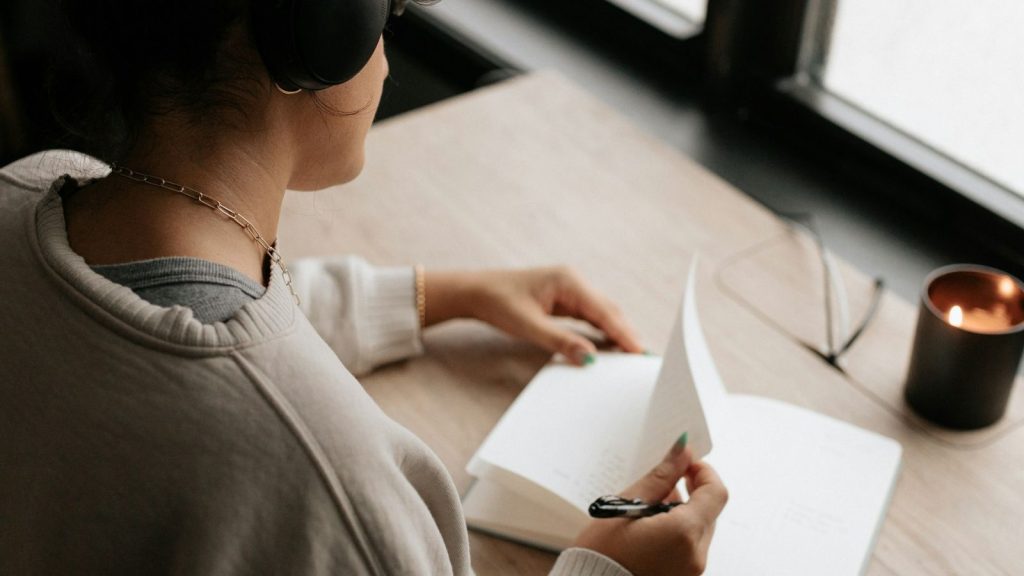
{"x": 572, "y": 431}
{"x": 689, "y": 395}
{"x": 807, "y": 493}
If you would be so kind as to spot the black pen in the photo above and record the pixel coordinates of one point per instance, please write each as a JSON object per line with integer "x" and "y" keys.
{"x": 619, "y": 507}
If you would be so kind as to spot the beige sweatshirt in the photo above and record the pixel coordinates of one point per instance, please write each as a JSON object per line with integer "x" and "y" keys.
{"x": 136, "y": 440}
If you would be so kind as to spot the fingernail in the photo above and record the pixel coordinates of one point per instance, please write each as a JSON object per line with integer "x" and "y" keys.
{"x": 680, "y": 444}
{"x": 581, "y": 356}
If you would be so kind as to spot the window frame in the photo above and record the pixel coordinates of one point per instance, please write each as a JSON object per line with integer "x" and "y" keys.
{"x": 765, "y": 65}
{"x": 807, "y": 87}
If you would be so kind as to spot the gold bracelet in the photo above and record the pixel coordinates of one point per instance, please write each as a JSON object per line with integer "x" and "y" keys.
{"x": 421, "y": 295}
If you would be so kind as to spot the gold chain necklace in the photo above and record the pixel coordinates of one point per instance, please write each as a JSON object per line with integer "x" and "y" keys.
{"x": 213, "y": 204}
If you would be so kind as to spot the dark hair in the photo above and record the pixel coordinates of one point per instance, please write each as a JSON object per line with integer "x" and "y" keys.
{"x": 127, "y": 61}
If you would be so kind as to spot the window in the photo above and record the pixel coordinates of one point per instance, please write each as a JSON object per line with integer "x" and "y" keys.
{"x": 677, "y": 18}
{"x": 947, "y": 73}
{"x": 692, "y": 9}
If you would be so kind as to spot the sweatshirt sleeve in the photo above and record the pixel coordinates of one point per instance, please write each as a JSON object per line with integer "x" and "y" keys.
{"x": 366, "y": 314}
{"x": 584, "y": 562}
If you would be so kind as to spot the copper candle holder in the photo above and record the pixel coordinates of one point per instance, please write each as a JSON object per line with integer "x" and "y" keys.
{"x": 969, "y": 339}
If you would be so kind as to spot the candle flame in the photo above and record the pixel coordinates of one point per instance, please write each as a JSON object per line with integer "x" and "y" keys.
{"x": 956, "y": 316}
{"x": 1007, "y": 287}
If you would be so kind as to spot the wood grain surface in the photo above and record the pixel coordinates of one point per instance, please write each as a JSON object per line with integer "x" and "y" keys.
{"x": 533, "y": 171}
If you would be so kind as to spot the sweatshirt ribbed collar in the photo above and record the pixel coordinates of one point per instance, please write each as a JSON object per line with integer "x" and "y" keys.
{"x": 123, "y": 310}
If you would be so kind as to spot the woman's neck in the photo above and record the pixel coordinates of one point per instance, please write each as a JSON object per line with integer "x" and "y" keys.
{"x": 117, "y": 220}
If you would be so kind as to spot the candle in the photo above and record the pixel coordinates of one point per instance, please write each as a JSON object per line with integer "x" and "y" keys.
{"x": 969, "y": 340}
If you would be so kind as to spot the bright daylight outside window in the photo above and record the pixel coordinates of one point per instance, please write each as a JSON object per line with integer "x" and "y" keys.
{"x": 694, "y": 10}
{"x": 949, "y": 73}
{"x": 679, "y": 18}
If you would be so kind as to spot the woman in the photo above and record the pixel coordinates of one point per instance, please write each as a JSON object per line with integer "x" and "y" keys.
{"x": 167, "y": 405}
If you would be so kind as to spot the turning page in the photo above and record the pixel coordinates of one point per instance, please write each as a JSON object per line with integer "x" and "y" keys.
{"x": 688, "y": 395}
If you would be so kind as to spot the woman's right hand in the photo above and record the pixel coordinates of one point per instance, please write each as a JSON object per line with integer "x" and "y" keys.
{"x": 675, "y": 542}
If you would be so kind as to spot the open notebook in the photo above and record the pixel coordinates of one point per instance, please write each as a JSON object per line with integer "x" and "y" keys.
{"x": 807, "y": 492}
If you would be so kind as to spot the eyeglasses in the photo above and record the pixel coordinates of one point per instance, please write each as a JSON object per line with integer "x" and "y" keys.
{"x": 840, "y": 335}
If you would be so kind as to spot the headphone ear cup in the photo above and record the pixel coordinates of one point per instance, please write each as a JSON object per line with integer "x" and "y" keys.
{"x": 315, "y": 44}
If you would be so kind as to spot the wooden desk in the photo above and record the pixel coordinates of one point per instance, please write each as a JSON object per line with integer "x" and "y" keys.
{"x": 533, "y": 172}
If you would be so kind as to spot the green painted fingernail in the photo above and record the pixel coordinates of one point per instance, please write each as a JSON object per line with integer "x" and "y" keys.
{"x": 679, "y": 446}
{"x": 589, "y": 359}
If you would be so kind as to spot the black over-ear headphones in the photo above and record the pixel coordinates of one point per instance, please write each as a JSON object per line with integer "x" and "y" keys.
{"x": 315, "y": 44}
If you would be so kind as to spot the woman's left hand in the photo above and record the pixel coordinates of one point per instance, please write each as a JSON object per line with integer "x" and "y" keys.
{"x": 523, "y": 304}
